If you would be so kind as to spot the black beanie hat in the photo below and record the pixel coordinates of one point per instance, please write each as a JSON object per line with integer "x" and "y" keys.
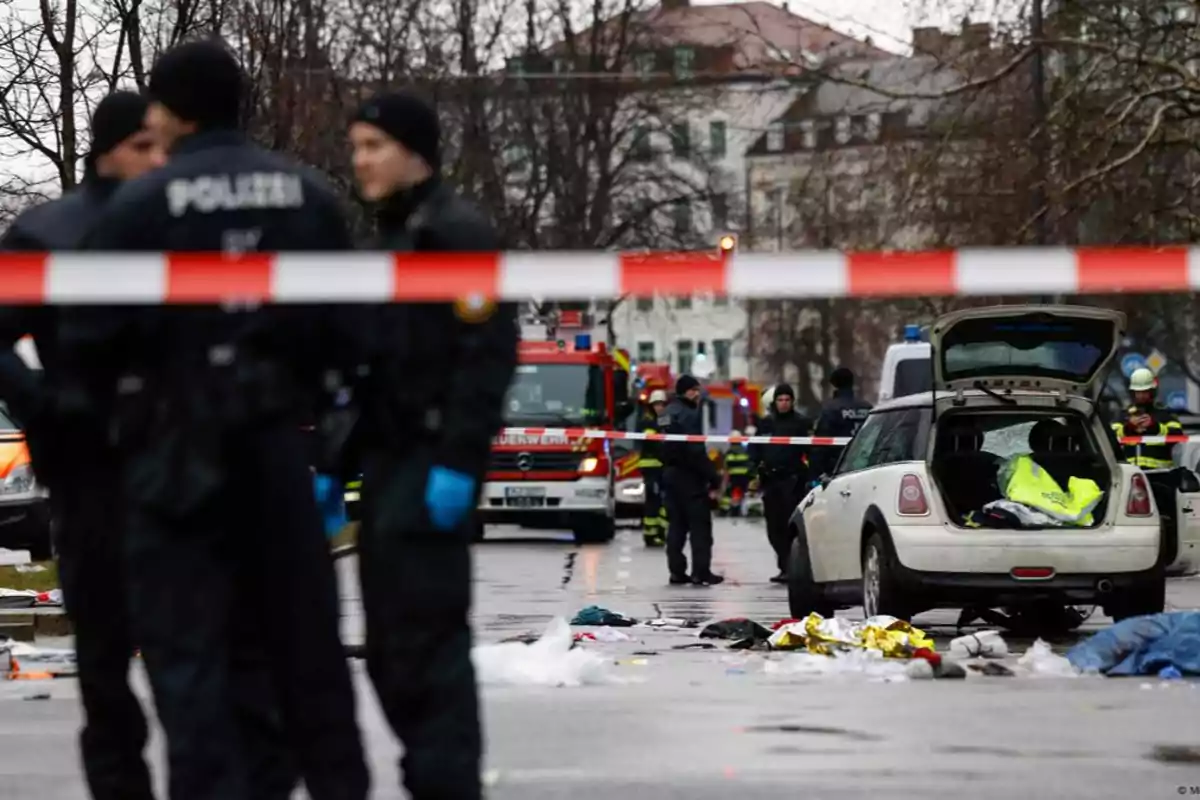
{"x": 842, "y": 378}
{"x": 783, "y": 390}
{"x": 685, "y": 383}
{"x": 117, "y": 117}
{"x": 199, "y": 82}
{"x": 409, "y": 120}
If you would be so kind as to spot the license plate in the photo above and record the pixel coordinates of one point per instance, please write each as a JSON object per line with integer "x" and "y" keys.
{"x": 513, "y": 492}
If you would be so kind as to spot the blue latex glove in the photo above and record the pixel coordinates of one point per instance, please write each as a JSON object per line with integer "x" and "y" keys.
{"x": 448, "y": 496}
{"x": 331, "y": 501}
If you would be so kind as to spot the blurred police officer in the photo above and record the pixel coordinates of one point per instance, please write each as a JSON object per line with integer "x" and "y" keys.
{"x": 73, "y": 459}
{"x": 783, "y": 471}
{"x": 691, "y": 481}
{"x": 431, "y": 404}
{"x": 841, "y": 417}
{"x": 223, "y": 530}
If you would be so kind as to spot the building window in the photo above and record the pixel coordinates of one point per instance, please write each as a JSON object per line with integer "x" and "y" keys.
{"x": 720, "y": 211}
{"x": 775, "y": 137}
{"x": 874, "y": 127}
{"x": 682, "y": 218}
{"x": 685, "y": 59}
{"x": 683, "y": 355}
{"x": 841, "y": 131}
{"x": 684, "y": 303}
{"x": 681, "y": 139}
{"x": 641, "y": 144}
{"x": 808, "y": 132}
{"x": 561, "y": 65}
{"x": 644, "y": 304}
{"x": 644, "y": 63}
{"x": 720, "y": 301}
{"x": 722, "y": 348}
{"x": 645, "y": 352}
{"x": 516, "y": 65}
{"x": 716, "y": 139}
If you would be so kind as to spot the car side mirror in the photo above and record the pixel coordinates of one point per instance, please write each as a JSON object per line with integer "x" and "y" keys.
{"x": 825, "y": 479}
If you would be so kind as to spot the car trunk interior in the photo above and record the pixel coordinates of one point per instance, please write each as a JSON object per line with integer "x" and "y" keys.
{"x": 971, "y": 446}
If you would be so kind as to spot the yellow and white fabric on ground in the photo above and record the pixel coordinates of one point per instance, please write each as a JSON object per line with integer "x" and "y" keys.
{"x": 892, "y": 637}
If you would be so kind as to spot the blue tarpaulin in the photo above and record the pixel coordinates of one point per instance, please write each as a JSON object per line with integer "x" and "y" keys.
{"x": 1143, "y": 646}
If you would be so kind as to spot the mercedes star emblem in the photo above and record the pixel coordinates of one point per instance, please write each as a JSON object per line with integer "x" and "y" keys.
{"x": 525, "y": 462}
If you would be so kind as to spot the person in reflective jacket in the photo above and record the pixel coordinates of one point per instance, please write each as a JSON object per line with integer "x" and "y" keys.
{"x": 1147, "y": 417}
{"x": 740, "y": 472}
{"x": 654, "y": 513}
{"x": 223, "y": 532}
{"x": 431, "y": 394}
{"x": 73, "y": 459}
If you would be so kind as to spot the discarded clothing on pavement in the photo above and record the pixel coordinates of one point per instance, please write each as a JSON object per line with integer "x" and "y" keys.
{"x": 28, "y": 598}
{"x": 22, "y": 661}
{"x": 744, "y": 632}
{"x": 553, "y": 660}
{"x": 893, "y": 637}
{"x": 1143, "y": 646}
{"x": 602, "y": 617}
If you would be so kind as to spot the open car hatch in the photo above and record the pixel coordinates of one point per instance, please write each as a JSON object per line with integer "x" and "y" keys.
{"x": 1040, "y": 348}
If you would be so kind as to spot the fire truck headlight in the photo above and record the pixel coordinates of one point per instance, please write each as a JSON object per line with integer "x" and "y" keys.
{"x": 589, "y": 464}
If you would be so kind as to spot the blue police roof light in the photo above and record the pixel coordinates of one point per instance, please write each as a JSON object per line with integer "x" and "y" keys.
{"x": 583, "y": 341}
{"x": 912, "y": 333}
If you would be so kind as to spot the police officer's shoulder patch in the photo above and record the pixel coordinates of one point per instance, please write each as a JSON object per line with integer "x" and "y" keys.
{"x": 474, "y": 309}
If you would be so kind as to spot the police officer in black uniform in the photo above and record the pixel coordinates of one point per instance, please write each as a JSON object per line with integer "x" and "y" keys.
{"x": 223, "y": 532}
{"x": 783, "y": 472}
{"x": 76, "y": 463}
{"x": 431, "y": 401}
{"x": 841, "y": 417}
{"x": 691, "y": 480}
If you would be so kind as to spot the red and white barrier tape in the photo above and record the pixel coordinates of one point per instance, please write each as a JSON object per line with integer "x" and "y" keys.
{"x": 532, "y": 436}
{"x": 358, "y": 277}
{"x": 542, "y": 435}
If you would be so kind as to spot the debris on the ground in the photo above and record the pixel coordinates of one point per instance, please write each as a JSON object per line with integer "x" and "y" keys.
{"x": 1143, "y": 646}
{"x": 984, "y": 644}
{"x": 929, "y": 669}
{"x": 890, "y": 636}
{"x": 695, "y": 646}
{"x": 38, "y": 696}
{"x": 13, "y": 558}
{"x": 28, "y": 598}
{"x": 993, "y": 669}
{"x": 1041, "y": 661}
{"x": 602, "y": 617}
{"x": 670, "y": 623}
{"x": 869, "y": 663}
{"x": 21, "y": 661}
{"x": 738, "y": 629}
{"x": 603, "y": 635}
{"x": 552, "y": 660}
{"x": 1175, "y": 753}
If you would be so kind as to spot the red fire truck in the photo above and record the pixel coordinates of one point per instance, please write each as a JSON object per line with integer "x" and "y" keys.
{"x": 545, "y": 481}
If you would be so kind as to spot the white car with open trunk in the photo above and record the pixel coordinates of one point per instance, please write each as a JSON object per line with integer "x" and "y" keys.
{"x": 895, "y": 529}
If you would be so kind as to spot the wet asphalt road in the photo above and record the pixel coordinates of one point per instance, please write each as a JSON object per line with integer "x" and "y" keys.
{"x": 718, "y": 724}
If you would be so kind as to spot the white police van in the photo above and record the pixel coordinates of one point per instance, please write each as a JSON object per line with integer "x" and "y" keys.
{"x": 907, "y": 366}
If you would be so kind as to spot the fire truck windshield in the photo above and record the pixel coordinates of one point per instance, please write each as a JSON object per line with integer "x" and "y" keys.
{"x": 565, "y": 394}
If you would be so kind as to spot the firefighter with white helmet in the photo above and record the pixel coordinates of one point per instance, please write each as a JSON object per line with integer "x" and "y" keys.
{"x": 1147, "y": 417}
{"x": 654, "y": 514}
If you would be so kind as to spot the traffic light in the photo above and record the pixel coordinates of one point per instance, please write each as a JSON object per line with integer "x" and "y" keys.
{"x": 727, "y": 243}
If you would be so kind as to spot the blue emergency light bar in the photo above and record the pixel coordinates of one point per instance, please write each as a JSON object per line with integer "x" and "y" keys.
{"x": 583, "y": 341}
{"x": 912, "y": 333}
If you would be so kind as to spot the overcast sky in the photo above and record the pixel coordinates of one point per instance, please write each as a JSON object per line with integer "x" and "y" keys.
{"x": 887, "y": 22}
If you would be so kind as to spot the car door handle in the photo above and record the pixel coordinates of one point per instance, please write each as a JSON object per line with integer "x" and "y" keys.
{"x": 844, "y": 492}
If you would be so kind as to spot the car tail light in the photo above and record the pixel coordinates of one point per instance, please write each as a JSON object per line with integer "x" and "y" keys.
{"x": 1139, "y": 504}
{"x": 594, "y": 465}
{"x": 912, "y": 502}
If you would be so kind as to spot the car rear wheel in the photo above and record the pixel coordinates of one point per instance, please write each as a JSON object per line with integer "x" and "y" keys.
{"x": 804, "y": 594}
{"x": 881, "y": 594}
{"x": 1149, "y": 597}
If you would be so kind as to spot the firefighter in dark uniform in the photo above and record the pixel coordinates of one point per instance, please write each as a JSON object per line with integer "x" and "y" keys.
{"x": 841, "y": 417}
{"x": 783, "y": 472}
{"x": 223, "y": 533}
{"x": 691, "y": 481}
{"x": 1147, "y": 417}
{"x": 431, "y": 404}
{"x": 740, "y": 472}
{"x": 654, "y": 513}
{"x": 75, "y": 462}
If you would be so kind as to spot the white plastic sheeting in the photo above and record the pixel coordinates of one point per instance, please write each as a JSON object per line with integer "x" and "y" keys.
{"x": 550, "y": 661}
